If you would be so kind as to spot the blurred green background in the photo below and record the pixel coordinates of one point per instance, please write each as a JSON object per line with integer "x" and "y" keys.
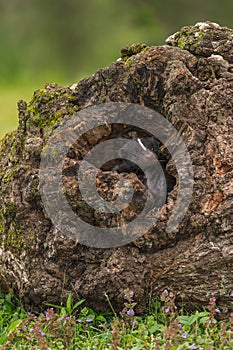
{"x": 63, "y": 41}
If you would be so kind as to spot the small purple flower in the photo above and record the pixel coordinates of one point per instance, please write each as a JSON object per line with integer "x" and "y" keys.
{"x": 134, "y": 320}
{"x": 167, "y": 310}
{"x": 60, "y": 319}
{"x": 124, "y": 310}
{"x": 231, "y": 295}
{"x": 183, "y": 335}
{"x": 30, "y": 330}
{"x": 41, "y": 333}
{"x": 131, "y": 293}
{"x": 165, "y": 291}
{"x": 175, "y": 308}
{"x": 29, "y": 313}
{"x": 67, "y": 318}
{"x": 180, "y": 326}
{"x": 24, "y": 328}
{"x": 193, "y": 347}
{"x": 79, "y": 321}
{"x": 88, "y": 319}
{"x": 130, "y": 312}
{"x": 217, "y": 311}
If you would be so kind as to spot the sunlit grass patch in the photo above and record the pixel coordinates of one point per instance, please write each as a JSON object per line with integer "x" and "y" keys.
{"x": 8, "y": 109}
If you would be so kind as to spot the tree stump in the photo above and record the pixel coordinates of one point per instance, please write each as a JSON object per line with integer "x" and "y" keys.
{"x": 190, "y": 82}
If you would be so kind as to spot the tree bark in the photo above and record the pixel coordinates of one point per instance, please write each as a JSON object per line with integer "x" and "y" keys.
{"x": 190, "y": 82}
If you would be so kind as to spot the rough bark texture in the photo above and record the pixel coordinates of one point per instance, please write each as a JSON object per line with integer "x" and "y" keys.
{"x": 190, "y": 82}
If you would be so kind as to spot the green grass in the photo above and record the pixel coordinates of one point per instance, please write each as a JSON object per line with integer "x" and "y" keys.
{"x": 77, "y": 326}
